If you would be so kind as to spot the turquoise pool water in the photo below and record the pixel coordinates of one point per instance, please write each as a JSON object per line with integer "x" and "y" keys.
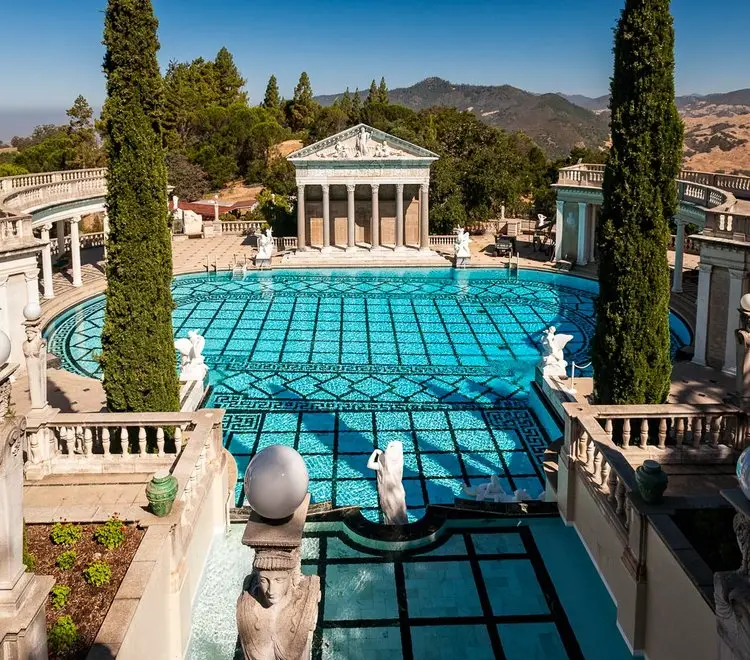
{"x": 335, "y": 363}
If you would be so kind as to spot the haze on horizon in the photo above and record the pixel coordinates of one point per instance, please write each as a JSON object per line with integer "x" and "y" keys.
{"x": 536, "y": 45}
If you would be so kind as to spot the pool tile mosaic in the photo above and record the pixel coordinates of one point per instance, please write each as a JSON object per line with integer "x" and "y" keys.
{"x": 337, "y": 363}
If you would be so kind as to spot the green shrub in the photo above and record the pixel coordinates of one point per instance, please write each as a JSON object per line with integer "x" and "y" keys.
{"x": 63, "y": 636}
{"x": 29, "y": 560}
{"x": 66, "y": 560}
{"x": 98, "y": 574}
{"x": 59, "y": 595}
{"x": 111, "y": 534}
{"x": 66, "y": 534}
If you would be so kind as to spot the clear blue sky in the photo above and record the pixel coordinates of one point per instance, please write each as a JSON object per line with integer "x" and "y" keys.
{"x": 51, "y": 48}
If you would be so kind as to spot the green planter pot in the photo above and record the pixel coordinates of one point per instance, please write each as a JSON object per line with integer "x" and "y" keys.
{"x": 652, "y": 481}
{"x": 160, "y": 493}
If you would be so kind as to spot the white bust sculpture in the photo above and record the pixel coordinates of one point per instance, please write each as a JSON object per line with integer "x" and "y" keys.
{"x": 265, "y": 246}
{"x": 553, "y": 358}
{"x": 192, "y": 365}
{"x": 389, "y": 466}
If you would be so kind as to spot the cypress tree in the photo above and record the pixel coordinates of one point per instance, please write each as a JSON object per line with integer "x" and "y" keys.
{"x": 630, "y": 349}
{"x": 356, "y": 109}
{"x": 138, "y": 356}
{"x": 372, "y": 95}
{"x": 303, "y": 105}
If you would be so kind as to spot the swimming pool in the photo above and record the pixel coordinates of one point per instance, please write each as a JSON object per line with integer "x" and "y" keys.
{"x": 335, "y": 363}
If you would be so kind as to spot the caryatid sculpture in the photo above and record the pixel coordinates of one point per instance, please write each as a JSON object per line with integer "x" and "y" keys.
{"x": 278, "y": 609}
{"x": 35, "y": 352}
{"x": 389, "y": 466}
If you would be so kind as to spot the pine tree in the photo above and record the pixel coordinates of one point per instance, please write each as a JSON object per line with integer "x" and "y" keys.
{"x": 303, "y": 104}
{"x": 228, "y": 81}
{"x": 272, "y": 100}
{"x": 138, "y": 357}
{"x": 84, "y": 151}
{"x": 356, "y": 111}
{"x": 345, "y": 102}
{"x": 373, "y": 95}
{"x": 382, "y": 91}
{"x": 631, "y": 351}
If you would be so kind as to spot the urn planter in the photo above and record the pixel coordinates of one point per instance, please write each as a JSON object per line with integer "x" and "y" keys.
{"x": 161, "y": 492}
{"x": 652, "y": 481}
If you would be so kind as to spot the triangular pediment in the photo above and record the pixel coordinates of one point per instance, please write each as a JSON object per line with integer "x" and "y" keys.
{"x": 362, "y": 142}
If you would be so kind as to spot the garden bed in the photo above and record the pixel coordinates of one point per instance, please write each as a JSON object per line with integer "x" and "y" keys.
{"x": 87, "y": 605}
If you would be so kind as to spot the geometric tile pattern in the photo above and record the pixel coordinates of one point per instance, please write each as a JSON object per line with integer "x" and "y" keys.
{"x": 439, "y": 602}
{"x": 336, "y": 363}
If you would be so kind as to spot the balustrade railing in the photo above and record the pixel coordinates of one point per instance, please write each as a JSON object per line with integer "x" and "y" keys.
{"x": 443, "y": 240}
{"x": 241, "y": 227}
{"x": 679, "y": 426}
{"x": 15, "y": 229}
{"x": 689, "y": 245}
{"x": 732, "y": 226}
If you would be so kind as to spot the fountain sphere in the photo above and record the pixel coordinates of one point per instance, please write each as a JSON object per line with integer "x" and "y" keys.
{"x": 276, "y": 482}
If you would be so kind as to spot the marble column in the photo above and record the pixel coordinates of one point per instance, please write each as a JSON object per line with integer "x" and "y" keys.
{"x": 60, "y": 238}
{"x": 350, "y": 228}
{"x": 736, "y": 291}
{"x": 424, "y": 209}
{"x": 701, "y": 316}
{"x": 399, "y": 216}
{"x": 75, "y": 250}
{"x": 559, "y": 228}
{"x": 301, "y": 245}
{"x": 326, "y": 217}
{"x": 49, "y": 292}
{"x": 679, "y": 250}
{"x": 375, "y": 220}
{"x": 581, "y": 259}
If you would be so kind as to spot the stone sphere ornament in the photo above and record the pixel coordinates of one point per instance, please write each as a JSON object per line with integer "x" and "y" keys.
{"x": 32, "y": 311}
{"x": 743, "y": 472}
{"x": 276, "y": 482}
{"x": 745, "y": 302}
{"x": 4, "y": 348}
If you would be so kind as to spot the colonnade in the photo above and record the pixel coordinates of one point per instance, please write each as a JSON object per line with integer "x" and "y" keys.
{"x": 375, "y": 221}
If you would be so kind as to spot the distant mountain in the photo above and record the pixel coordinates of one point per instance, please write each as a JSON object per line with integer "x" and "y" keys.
{"x": 739, "y": 97}
{"x": 553, "y": 122}
{"x": 597, "y": 104}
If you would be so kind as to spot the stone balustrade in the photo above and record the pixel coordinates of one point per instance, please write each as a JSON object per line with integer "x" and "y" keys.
{"x": 15, "y": 229}
{"x": 689, "y": 245}
{"x": 442, "y": 240}
{"x": 11, "y": 183}
{"x": 66, "y": 443}
{"x": 284, "y": 243}
{"x": 241, "y": 227}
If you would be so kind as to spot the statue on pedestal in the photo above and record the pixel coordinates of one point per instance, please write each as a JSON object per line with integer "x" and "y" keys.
{"x": 461, "y": 247}
{"x": 553, "y": 358}
{"x": 192, "y": 364}
{"x": 732, "y": 599}
{"x": 277, "y": 611}
{"x": 389, "y": 466}
{"x": 265, "y": 248}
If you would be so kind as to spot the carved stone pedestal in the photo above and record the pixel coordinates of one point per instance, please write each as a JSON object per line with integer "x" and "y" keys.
{"x": 277, "y": 611}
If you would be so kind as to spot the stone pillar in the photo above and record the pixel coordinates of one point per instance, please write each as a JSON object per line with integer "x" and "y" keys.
{"x": 399, "y": 215}
{"x": 424, "y": 208}
{"x": 559, "y": 227}
{"x": 301, "y": 217}
{"x": 679, "y": 250}
{"x": 49, "y": 292}
{"x": 326, "y": 217}
{"x": 736, "y": 290}
{"x": 375, "y": 221}
{"x": 701, "y": 316}
{"x": 581, "y": 258}
{"x": 350, "y": 228}
{"x": 32, "y": 286}
{"x": 75, "y": 250}
{"x": 60, "y": 238}
{"x": 216, "y": 208}
{"x": 22, "y": 595}
{"x": 105, "y": 229}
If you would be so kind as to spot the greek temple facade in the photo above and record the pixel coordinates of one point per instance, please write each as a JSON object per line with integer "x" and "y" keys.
{"x": 362, "y": 189}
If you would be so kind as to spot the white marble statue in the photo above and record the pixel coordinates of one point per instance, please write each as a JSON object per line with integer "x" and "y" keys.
{"x": 553, "y": 358}
{"x": 35, "y": 351}
{"x": 265, "y": 248}
{"x": 389, "y": 465}
{"x": 362, "y": 141}
{"x": 461, "y": 248}
{"x": 491, "y": 491}
{"x": 192, "y": 364}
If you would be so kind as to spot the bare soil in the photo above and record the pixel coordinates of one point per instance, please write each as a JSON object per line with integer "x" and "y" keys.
{"x": 87, "y": 605}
